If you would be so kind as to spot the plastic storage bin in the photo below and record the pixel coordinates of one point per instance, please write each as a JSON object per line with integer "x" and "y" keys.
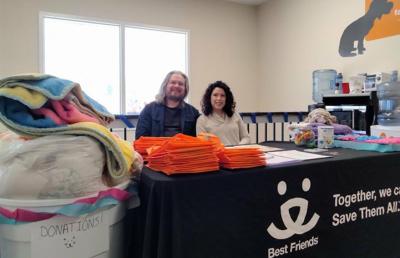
{"x": 388, "y": 94}
{"x": 98, "y": 234}
{"x": 323, "y": 83}
{"x": 385, "y": 131}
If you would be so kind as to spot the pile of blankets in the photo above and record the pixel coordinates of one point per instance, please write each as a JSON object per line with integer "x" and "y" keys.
{"x": 321, "y": 117}
{"x": 36, "y": 105}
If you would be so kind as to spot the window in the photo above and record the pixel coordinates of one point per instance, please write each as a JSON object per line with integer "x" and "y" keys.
{"x": 119, "y": 65}
{"x": 148, "y": 51}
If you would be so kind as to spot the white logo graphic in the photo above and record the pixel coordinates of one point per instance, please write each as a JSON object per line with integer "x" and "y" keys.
{"x": 293, "y": 226}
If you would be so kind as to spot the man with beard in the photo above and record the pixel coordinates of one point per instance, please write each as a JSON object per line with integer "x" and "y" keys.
{"x": 169, "y": 114}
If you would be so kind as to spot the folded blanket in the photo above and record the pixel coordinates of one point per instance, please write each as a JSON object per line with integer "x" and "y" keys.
{"x": 22, "y": 93}
{"x": 3, "y": 129}
{"x": 337, "y": 128}
{"x": 26, "y": 88}
{"x": 49, "y": 164}
{"x": 30, "y": 98}
{"x": 320, "y": 115}
{"x": 64, "y": 112}
{"x": 104, "y": 199}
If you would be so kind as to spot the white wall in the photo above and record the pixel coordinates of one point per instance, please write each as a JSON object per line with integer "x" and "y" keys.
{"x": 267, "y": 54}
{"x": 297, "y": 37}
{"x": 223, "y": 41}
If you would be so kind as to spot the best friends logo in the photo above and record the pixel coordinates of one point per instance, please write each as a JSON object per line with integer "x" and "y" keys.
{"x": 296, "y": 226}
{"x": 293, "y": 226}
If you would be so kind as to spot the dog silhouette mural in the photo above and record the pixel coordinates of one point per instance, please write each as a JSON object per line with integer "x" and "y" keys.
{"x": 358, "y": 29}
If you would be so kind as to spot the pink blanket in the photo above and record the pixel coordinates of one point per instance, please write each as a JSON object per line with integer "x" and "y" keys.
{"x": 64, "y": 112}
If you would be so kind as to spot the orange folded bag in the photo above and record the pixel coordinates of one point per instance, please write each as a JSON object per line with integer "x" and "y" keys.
{"x": 241, "y": 157}
{"x": 145, "y": 142}
{"x": 183, "y": 154}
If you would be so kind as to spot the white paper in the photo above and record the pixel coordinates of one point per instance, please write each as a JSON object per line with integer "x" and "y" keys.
{"x": 262, "y": 147}
{"x": 66, "y": 237}
{"x": 273, "y": 160}
{"x": 316, "y": 150}
{"x": 299, "y": 155}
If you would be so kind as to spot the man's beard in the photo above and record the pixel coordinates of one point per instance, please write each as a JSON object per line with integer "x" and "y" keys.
{"x": 175, "y": 98}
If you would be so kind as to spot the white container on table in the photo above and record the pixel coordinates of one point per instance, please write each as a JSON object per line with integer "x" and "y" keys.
{"x": 325, "y": 137}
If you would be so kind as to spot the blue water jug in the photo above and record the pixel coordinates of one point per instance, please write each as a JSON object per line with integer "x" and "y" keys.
{"x": 388, "y": 94}
{"x": 338, "y": 83}
{"x": 323, "y": 83}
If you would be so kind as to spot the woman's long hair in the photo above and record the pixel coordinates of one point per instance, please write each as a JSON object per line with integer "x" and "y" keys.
{"x": 230, "y": 103}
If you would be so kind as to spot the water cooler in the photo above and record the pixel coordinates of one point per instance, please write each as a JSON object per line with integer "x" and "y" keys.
{"x": 389, "y": 109}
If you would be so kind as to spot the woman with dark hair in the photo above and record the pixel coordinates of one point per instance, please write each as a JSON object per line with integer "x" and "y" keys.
{"x": 219, "y": 116}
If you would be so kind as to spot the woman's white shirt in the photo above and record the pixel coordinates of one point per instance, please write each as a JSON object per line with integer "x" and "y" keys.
{"x": 230, "y": 130}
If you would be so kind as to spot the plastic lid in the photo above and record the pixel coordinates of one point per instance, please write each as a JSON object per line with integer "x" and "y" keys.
{"x": 50, "y": 202}
{"x": 324, "y": 70}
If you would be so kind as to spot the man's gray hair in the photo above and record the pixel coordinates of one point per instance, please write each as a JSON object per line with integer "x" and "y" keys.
{"x": 160, "y": 97}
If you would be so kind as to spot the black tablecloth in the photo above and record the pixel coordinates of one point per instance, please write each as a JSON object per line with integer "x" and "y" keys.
{"x": 227, "y": 213}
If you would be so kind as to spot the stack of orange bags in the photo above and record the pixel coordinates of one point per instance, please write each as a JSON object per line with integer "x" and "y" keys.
{"x": 142, "y": 144}
{"x": 242, "y": 157}
{"x": 184, "y": 154}
{"x": 216, "y": 142}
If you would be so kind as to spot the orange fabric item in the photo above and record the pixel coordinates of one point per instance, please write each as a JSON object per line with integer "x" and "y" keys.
{"x": 216, "y": 142}
{"x": 204, "y": 153}
{"x": 184, "y": 154}
{"x": 144, "y": 144}
{"x": 242, "y": 157}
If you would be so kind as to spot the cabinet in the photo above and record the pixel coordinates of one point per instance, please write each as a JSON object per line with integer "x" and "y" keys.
{"x": 359, "y": 111}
